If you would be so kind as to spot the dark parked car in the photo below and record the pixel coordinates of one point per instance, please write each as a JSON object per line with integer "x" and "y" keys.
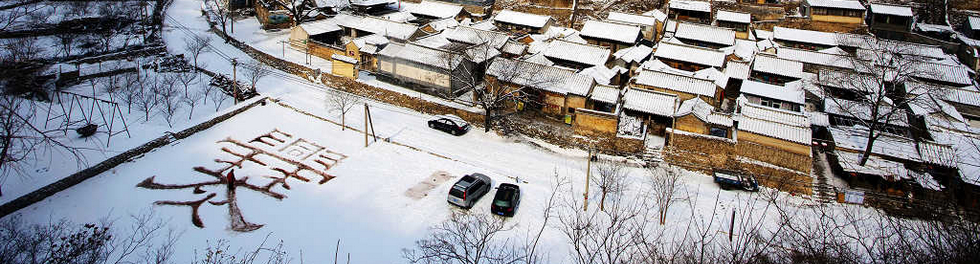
{"x": 729, "y": 180}
{"x": 469, "y": 189}
{"x": 450, "y": 124}
{"x": 507, "y": 199}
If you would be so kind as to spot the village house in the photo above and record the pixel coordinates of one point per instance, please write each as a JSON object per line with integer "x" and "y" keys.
{"x": 365, "y": 50}
{"x": 737, "y": 72}
{"x": 522, "y": 23}
{"x": 473, "y": 36}
{"x": 477, "y": 10}
{"x": 631, "y": 58}
{"x": 436, "y": 26}
{"x": 428, "y": 11}
{"x": 888, "y": 165}
{"x": 604, "y": 98}
{"x": 661, "y": 18}
{"x": 553, "y": 90}
{"x": 690, "y": 10}
{"x": 655, "y": 109}
{"x": 513, "y": 49}
{"x": 687, "y": 57}
{"x": 371, "y": 7}
{"x": 358, "y": 26}
{"x": 770, "y": 69}
{"x": 704, "y": 35}
{"x": 836, "y": 11}
{"x": 846, "y": 113}
{"x": 739, "y": 22}
{"x": 649, "y": 25}
{"x": 783, "y": 130}
{"x": 885, "y": 18}
{"x": 943, "y": 74}
{"x": 614, "y": 36}
{"x": 442, "y": 72}
{"x": 607, "y": 76}
{"x": 322, "y": 31}
{"x": 789, "y": 97}
{"x": 574, "y": 55}
{"x": 697, "y": 116}
{"x": 964, "y": 101}
{"x": 804, "y": 39}
{"x": 685, "y": 87}
{"x": 343, "y": 66}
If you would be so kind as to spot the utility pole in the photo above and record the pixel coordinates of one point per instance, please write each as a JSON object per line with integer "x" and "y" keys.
{"x": 731, "y": 228}
{"x": 283, "y": 49}
{"x": 234, "y": 77}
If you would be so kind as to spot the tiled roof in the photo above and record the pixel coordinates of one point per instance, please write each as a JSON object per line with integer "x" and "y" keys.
{"x": 605, "y": 94}
{"x": 700, "y": 6}
{"x": 737, "y": 70}
{"x": 632, "y": 19}
{"x": 436, "y": 9}
{"x": 804, "y": 36}
{"x": 730, "y": 16}
{"x": 815, "y": 58}
{"x": 801, "y": 135}
{"x": 704, "y": 111}
{"x": 773, "y": 65}
{"x": 705, "y": 33}
{"x": 580, "y": 53}
{"x": 320, "y": 27}
{"x": 548, "y": 78}
{"x": 782, "y": 93}
{"x": 844, "y": 4}
{"x": 379, "y": 26}
{"x": 636, "y": 54}
{"x": 774, "y": 115}
{"x": 471, "y": 35}
{"x": 692, "y": 54}
{"x": 862, "y": 111}
{"x": 621, "y": 33}
{"x": 675, "y": 82}
{"x": 936, "y": 153}
{"x": 894, "y": 10}
{"x": 651, "y": 102}
{"x": 520, "y": 18}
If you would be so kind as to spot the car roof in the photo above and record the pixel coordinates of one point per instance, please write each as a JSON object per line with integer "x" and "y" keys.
{"x": 455, "y": 119}
{"x": 508, "y": 185}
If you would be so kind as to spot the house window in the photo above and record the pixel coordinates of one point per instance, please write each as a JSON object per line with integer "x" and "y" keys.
{"x": 718, "y": 132}
{"x": 771, "y": 103}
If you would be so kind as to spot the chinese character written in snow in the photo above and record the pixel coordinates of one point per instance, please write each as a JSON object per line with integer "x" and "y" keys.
{"x": 277, "y": 153}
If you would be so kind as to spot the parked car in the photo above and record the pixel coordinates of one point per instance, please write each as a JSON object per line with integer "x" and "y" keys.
{"x": 450, "y": 124}
{"x": 506, "y": 200}
{"x": 734, "y": 180}
{"x": 469, "y": 189}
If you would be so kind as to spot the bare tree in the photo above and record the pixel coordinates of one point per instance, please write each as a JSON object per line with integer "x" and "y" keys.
{"x": 186, "y": 79}
{"x": 217, "y": 12}
{"x": 196, "y": 45}
{"x": 343, "y": 102}
{"x": 507, "y": 83}
{"x": 530, "y": 252}
{"x": 665, "y": 188}
{"x": 610, "y": 178}
{"x": 146, "y": 97}
{"x": 255, "y": 71}
{"x": 10, "y": 16}
{"x": 299, "y": 10}
{"x": 875, "y": 99}
{"x": 464, "y": 239}
{"x": 192, "y": 99}
{"x": 169, "y": 96}
{"x": 220, "y": 252}
{"x": 217, "y": 99}
{"x": 22, "y": 142}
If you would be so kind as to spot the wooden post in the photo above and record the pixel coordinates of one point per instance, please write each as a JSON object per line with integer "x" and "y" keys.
{"x": 234, "y": 78}
{"x": 588, "y": 174}
{"x": 365, "y": 125}
{"x": 731, "y": 228}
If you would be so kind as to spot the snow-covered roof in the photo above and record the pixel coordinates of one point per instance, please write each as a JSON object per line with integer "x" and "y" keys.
{"x": 436, "y": 9}
{"x": 804, "y": 36}
{"x": 938, "y": 154}
{"x": 579, "y": 53}
{"x": 514, "y": 48}
{"x": 704, "y": 111}
{"x": 429, "y": 56}
{"x": 391, "y": 50}
{"x": 601, "y": 74}
{"x": 782, "y": 93}
{"x": 680, "y": 83}
{"x": 889, "y": 170}
{"x": 801, "y": 135}
{"x": 974, "y": 22}
{"x": 963, "y": 96}
{"x": 862, "y": 110}
{"x": 692, "y": 54}
{"x": 392, "y": 29}
{"x": 371, "y": 2}
{"x": 815, "y": 58}
{"x": 344, "y": 58}
{"x": 632, "y": 19}
{"x": 320, "y": 27}
{"x": 737, "y": 70}
{"x": 523, "y": 19}
{"x": 771, "y": 64}
{"x": 636, "y": 54}
{"x": 617, "y": 32}
{"x": 400, "y": 16}
{"x": 605, "y": 94}
{"x": 893, "y": 10}
{"x": 471, "y": 35}
{"x": 657, "y": 14}
{"x": 967, "y": 154}
{"x": 781, "y": 116}
{"x": 443, "y": 24}
{"x": 650, "y": 102}
{"x": 691, "y": 5}
{"x": 887, "y": 145}
{"x": 720, "y": 79}
{"x": 548, "y": 78}
{"x": 539, "y": 58}
{"x": 744, "y": 49}
{"x": 842, "y": 4}
{"x": 736, "y": 17}
{"x": 955, "y": 74}
{"x": 705, "y": 33}
{"x": 331, "y": 3}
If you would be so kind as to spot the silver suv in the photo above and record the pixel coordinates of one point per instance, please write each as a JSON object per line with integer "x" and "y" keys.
{"x": 469, "y": 189}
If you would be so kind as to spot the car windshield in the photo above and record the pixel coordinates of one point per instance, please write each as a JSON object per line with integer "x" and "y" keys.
{"x": 503, "y": 197}
{"x": 456, "y": 192}
{"x": 502, "y": 203}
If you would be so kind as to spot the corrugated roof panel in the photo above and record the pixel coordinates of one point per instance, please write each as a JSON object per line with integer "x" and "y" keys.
{"x": 675, "y": 82}
{"x": 692, "y": 54}
{"x": 715, "y": 35}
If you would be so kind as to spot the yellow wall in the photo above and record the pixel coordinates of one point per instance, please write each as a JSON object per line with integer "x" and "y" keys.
{"x": 554, "y": 103}
{"x": 742, "y": 34}
{"x": 343, "y": 69}
{"x": 324, "y": 52}
{"x": 574, "y": 101}
{"x": 838, "y": 19}
{"x": 422, "y": 75}
{"x": 793, "y": 147}
{"x": 588, "y": 122}
{"x": 691, "y": 123}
